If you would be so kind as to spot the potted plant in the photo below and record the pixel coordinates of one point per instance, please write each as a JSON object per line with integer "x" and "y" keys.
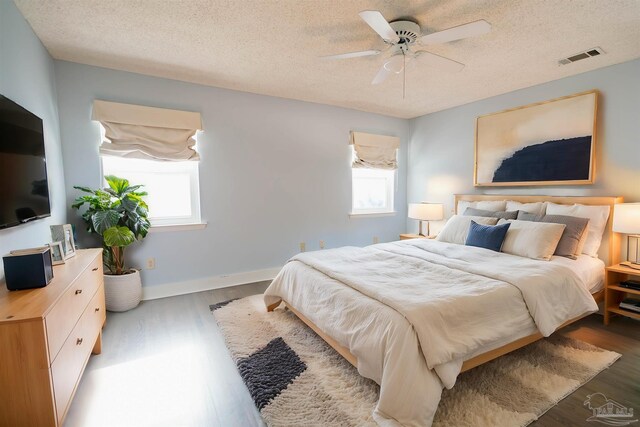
{"x": 119, "y": 215}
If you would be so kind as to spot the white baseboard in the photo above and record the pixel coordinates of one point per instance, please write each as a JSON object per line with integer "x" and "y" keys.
{"x": 207, "y": 283}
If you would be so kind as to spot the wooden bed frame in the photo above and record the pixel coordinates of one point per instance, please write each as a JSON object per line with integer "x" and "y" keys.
{"x": 609, "y": 252}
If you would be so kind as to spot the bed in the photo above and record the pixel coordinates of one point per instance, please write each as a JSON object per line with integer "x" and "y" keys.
{"x": 370, "y": 305}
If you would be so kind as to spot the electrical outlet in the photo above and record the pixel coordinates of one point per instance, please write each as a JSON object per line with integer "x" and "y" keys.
{"x": 151, "y": 263}
{"x": 303, "y": 247}
{"x": 376, "y": 240}
{"x": 321, "y": 244}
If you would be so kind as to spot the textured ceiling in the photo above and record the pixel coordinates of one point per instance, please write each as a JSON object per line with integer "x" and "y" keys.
{"x": 272, "y": 46}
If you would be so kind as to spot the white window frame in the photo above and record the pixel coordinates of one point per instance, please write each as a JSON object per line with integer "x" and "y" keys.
{"x": 390, "y": 178}
{"x": 173, "y": 222}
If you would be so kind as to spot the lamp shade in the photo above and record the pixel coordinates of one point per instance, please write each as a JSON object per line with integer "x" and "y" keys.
{"x": 626, "y": 218}
{"x": 426, "y": 211}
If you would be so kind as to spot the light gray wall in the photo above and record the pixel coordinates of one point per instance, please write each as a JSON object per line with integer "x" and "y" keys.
{"x": 27, "y": 77}
{"x": 273, "y": 173}
{"x": 441, "y": 146}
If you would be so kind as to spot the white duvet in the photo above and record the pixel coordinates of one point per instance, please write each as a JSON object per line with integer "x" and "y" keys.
{"x": 413, "y": 311}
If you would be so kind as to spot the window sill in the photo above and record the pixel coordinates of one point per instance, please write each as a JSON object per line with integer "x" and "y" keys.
{"x": 177, "y": 227}
{"x": 371, "y": 215}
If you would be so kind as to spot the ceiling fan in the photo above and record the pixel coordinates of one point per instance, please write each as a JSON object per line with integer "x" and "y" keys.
{"x": 402, "y": 37}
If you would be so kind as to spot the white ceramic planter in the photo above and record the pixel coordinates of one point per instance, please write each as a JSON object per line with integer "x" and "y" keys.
{"x": 122, "y": 292}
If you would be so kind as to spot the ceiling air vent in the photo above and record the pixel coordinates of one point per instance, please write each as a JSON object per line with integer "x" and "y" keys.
{"x": 582, "y": 55}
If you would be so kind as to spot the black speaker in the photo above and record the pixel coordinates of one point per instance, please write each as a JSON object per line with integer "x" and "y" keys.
{"x": 27, "y": 270}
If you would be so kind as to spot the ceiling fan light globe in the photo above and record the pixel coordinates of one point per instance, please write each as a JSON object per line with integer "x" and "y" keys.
{"x": 393, "y": 68}
{"x": 395, "y": 64}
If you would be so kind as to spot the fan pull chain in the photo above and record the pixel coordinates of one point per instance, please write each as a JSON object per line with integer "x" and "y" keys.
{"x": 404, "y": 75}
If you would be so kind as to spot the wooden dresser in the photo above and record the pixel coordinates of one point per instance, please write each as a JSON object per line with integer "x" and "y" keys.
{"x": 46, "y": 337}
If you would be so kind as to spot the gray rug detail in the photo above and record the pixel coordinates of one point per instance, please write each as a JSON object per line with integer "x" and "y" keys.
{"x": 296, "y": 379}
{"x": 270, "y": 370}
{"x": 214, "y": 307}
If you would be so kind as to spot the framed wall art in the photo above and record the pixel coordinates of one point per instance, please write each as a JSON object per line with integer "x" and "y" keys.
{"x": 547, "y": 143}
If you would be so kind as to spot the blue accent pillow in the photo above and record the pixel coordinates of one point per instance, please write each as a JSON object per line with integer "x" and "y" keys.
{"x": 487, "y": 236}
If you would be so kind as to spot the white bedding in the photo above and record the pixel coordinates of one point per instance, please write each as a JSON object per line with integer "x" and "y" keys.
{"x": 590, "y": 270}
{"x": 591, "y": 273}
{"x": 412, "y": 311}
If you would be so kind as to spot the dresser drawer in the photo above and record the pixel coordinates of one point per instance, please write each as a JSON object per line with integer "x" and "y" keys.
{"x": 69, "y": 364}
{"x": 64, "y": 315}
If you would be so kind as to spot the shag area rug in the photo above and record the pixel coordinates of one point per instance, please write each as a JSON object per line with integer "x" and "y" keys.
{"x": 296, "y": 379}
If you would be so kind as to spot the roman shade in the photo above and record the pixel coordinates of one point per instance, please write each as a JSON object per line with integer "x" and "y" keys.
{"x": 139, "y": 132}
{"x": 374, "y": 151}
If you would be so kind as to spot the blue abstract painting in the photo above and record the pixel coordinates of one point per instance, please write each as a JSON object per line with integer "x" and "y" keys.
{"x": 563, "y": 160}
{"x": 549, "y": 143}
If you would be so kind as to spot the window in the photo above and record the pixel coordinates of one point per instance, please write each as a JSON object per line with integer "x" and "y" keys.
{"x": 173, "y": 187}
{"x": 154, "y": 147}
{"x": 372, "y": 191}
{"x": 374, "y": 163}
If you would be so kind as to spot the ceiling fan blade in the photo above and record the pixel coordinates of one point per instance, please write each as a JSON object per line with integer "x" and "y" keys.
{"x": 380, "y": 25}
{"x": 440, "y": 62}
{"x": 464, "y": 31}
{"x": 352, "y": 54}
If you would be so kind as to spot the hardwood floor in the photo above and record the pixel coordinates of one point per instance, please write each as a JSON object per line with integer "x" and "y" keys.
{"x": 165, "y": 364}
{"x": 621, "y": 382}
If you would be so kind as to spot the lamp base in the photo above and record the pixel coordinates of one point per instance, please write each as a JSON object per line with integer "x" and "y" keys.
{"x": 420, "y": 229}
{"x": 630, "y": 264}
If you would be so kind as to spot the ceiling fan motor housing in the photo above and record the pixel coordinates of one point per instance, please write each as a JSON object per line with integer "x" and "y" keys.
{"x": 407, "y": 31}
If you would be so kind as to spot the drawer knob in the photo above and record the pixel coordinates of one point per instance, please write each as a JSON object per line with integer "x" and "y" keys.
{"x": 94, "y": 269}
{"x": 97, "y": 309}
{"x": 79, "y": 341}
{"x": 78, "y": 291}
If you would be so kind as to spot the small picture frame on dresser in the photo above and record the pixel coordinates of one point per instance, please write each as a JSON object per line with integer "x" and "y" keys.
{"x": 64, "y": 233}
{"x": 57, "y": 253}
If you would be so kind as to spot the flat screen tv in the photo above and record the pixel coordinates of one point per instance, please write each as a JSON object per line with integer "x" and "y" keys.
{"x": 24, "y": 190}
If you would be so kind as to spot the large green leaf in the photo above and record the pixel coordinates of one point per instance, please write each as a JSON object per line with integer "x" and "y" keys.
{"x": 142, "y": 211}
{"x": 129, "y": 203}
{"x": 102, "y": 220}
{"x": 118, "y": 236}
{"x": 133, "y": 188}
{"x": 79, "y": 202}
{"x": 119, "y": 185}
{"x": 138, "y": 198}
{"x": 85, "y": 189}
{"x": 143, "y": 229}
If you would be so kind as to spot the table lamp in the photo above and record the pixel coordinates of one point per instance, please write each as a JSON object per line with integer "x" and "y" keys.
{"x": 626, "y": 220}
{"x": 426, "y": 212}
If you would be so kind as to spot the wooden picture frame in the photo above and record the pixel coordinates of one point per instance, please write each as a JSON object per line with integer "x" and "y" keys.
{"x": 64, "y": 233}
{"x": 545, "y": 143}
{"x": 57, "y": 253}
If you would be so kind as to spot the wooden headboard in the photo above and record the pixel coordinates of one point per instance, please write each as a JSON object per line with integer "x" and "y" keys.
{"x": 609, "y": 249}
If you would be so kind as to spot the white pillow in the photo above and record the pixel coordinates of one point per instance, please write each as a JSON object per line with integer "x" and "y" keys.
{"x": 487, "y": 205}
{"x": 536, "y": 240}
{"x": 537, "y": 208}
{"x": 457, "y": 228}
{"x": 598, "y": 216}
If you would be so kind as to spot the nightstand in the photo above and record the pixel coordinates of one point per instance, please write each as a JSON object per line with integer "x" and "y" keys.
{"x": 613, "y": 293}
{"x": 415, "y": 236}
